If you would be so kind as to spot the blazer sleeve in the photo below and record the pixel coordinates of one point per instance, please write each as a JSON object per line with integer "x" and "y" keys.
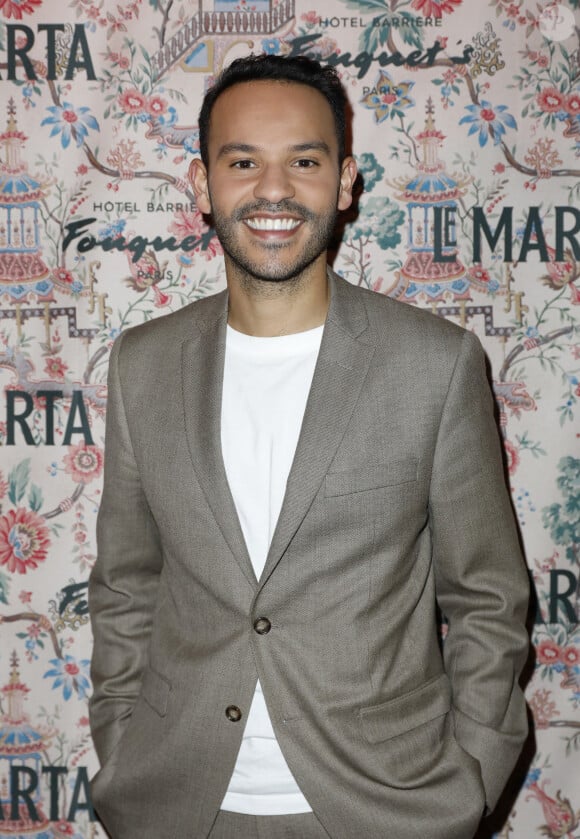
{"x": 481, "y": 581}
{"x": 124, "y": 581}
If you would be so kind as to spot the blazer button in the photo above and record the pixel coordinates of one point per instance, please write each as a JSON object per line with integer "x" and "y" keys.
{"x": 233, "y": 713}
{"x": 262, "y": 626}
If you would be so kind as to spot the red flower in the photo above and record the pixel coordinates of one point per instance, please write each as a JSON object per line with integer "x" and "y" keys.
{"x": 156, "y": 105}
{"x": 61, "y": 275}
{"x": 513, "y": 456}
{"x": 548, "y": 652}
{"x": 550, "y": 100}
{"x": 24, "y": 540}
{"x": 570, "y": 656}
{"x": 543, "y": 61}
{"x": 499, "y": 168}
{"x": 55, "y": 368}
{"x": 82, "y": 169}
{"x": 487, "y": 114}
{"x": 572, "y": 104}
{"x": 25, "y": 596}
{"x": 512, "y": 10}
{"x": 132, "y": 101}
{"x": 479, "y": 273}
{"x": 435, "y": 8}
{"x": 15, "y": 8}
{"x": 83, "y": 463}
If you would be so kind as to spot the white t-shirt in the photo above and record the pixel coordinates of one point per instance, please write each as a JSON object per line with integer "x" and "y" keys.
{"x": 265, "y": 388}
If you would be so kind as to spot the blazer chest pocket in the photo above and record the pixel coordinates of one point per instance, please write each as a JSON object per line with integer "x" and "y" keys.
{"x": 371, "y": 477}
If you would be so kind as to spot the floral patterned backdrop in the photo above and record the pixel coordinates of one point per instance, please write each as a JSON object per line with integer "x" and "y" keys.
{"x": 467, "y": 135}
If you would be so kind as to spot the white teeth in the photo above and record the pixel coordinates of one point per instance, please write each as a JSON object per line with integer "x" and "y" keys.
{"x": 262, "y": 223}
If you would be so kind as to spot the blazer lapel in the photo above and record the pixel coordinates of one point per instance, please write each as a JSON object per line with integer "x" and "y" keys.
{"x": 202, "y": 379}
{"x": 338, "y": 379}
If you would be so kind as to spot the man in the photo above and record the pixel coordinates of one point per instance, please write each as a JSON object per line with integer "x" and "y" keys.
{"x": 297, "y": 471}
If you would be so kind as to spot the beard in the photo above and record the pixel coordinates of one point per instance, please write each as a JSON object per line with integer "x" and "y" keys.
{"x": 272, "y": 267}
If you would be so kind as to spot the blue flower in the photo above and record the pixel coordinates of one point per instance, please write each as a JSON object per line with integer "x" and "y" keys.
{"x": 533, "y": 777}
{"x": 532, "y": 332}
{"x": 69, "y": 121}
{"x": 70, "y": 675}
{"x": 77, "y": 287}
{"x": 484, "y": 117}
{"x": 112, "y": 229}
{"x": 191, "y": 143}
{"x": 271, "y": 46}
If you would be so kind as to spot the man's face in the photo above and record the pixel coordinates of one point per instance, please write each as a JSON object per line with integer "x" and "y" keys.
{"x": 274, "y": 184}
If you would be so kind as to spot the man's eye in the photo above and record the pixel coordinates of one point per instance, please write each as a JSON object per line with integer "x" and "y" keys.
{"x": 242, "y": 164}
{"x": 306, "y": 163}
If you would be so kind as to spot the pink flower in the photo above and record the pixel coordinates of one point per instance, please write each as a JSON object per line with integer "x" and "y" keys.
{"x": 543, "y": 61}
{"x": 15, "y": 8}
{"x": 156, "y": 105}
{"x": 188, "y": 224}
{"x": 55, "y": 368}
{"x": 82, "y": 169}
{"x": 25, "y": 596}
{"x": 570, "y": 656}
{"x": 572, "y": 104}
{"x": 550, "y": 100}
{"x": 24, "y": 540}
{"x": 80, "y": 537}
{"x": 132, "y": 101}
{"x": 499, "y": 169}
{"x": 83, "y": 463}
{"x": 513, "y": 456}
{"x": 311, "y": 17}
{"x": 548, "y": 652}
{"x": 435, "y": 8}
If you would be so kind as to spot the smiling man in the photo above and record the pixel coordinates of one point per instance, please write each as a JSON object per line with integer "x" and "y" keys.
{"x": 297, "y": 472}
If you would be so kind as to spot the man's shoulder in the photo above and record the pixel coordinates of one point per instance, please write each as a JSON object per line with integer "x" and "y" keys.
{"x": 389, "y": 317}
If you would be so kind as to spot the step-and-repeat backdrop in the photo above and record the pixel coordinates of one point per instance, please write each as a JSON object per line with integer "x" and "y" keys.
{"x": 467, "y": 135}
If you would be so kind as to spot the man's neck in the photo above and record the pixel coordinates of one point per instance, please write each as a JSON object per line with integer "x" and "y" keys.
{"x": 267, "y": 309}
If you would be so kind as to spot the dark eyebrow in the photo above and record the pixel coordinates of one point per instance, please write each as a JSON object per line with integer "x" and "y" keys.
{"x": 312, "y": 145}
{"x": 245, "y": 148}
{"x": 231, "y": 148}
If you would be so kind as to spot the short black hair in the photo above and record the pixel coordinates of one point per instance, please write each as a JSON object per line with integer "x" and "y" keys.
{"x": 298, "y": 69}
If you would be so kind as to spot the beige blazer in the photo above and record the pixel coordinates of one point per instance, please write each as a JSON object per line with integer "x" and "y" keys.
{"x": 396, "y": 499}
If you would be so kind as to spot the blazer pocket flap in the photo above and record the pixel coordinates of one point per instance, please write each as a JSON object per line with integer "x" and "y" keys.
{"x": 406, "y": 712}
{"x": 372, "y": 477}
{"x": 155, "y": 691}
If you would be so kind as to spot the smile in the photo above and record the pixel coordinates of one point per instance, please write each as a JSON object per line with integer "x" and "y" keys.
{"x": 263, "y": 223}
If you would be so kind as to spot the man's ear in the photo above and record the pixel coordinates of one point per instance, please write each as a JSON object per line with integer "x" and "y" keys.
{"x": 197, "y": 175}
{"x": 348, "y": 172}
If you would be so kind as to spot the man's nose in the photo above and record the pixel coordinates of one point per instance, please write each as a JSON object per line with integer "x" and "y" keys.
{"x": 274, "y": 184}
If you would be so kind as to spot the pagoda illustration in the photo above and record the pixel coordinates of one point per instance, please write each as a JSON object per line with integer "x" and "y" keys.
{"x": 429, "y": 188}
{"x": 21, "y": 745}
{"x": 192, "y": 45}
{"x": 22, "y": 269}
